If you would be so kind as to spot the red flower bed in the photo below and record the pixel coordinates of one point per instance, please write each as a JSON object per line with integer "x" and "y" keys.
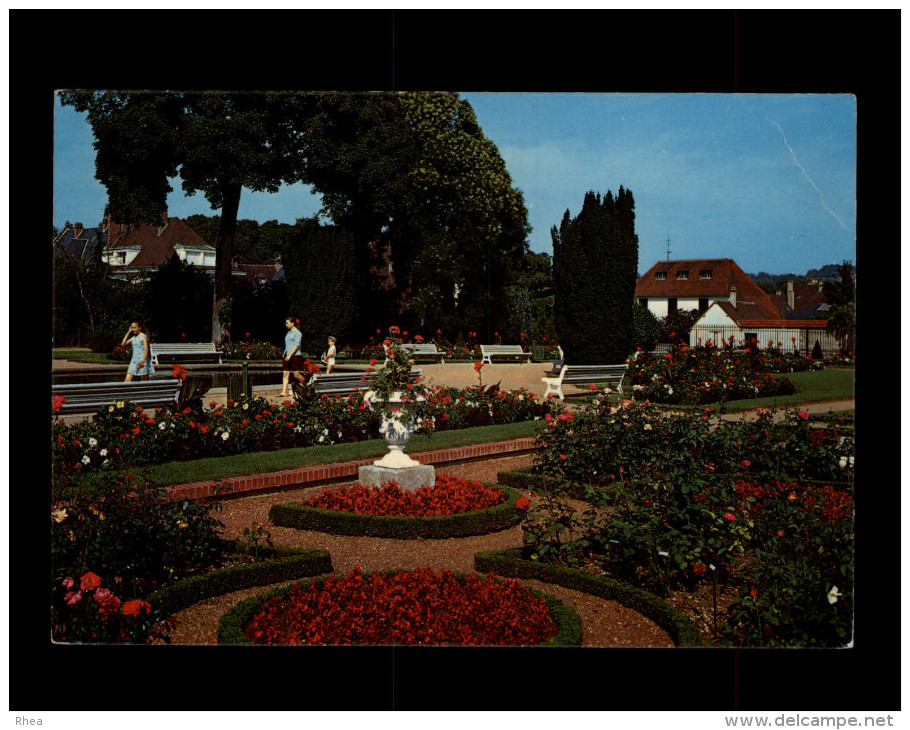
{"x": 450, "y": 495}
{"x": 417, "y": 607}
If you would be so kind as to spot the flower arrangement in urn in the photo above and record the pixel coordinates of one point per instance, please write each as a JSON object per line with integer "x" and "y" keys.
{"x": 393, "y": 380}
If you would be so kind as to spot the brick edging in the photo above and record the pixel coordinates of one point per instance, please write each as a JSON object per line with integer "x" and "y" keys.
{"x": 307, "y": 475}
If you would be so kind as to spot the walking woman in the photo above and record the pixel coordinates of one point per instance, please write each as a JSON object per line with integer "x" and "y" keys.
{"x": 293, "y": 360}
{"x": 141, "y": 361}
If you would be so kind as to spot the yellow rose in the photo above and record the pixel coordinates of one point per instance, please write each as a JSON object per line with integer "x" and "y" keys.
{"x": 59, "y": 515}
{"x": 182, "y": 524}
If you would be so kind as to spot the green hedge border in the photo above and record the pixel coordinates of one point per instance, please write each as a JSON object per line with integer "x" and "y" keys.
{"x": 465, "y": 524}
{"x": 230, "y": 627}
{"x": 509, "y": 563}
{"x": 289, "y": 564}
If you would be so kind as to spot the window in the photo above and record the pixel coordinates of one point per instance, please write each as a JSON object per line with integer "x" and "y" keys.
{"x": 703, "y": 304}
{"x": 643, "y": 301}
{"x": 660, "y": 275}
{"x": 705, "y": 273}
{"x": 671, "y": 305}
{"x": 121, "y": 258}
{"x": 682, "y": 275}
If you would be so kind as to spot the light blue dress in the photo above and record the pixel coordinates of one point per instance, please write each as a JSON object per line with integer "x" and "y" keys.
{"x": 138, "y": 342}
{"x": 293, "y": 337}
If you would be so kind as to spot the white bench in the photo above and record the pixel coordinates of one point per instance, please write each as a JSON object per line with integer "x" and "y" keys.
{"x": 611, "y": 375}
{"x": 424, "y": 350}
{"x": 488, "y": 352}
{"x": 183, "y": 351}
{"x": 343, "y": 382}
{"x": 89, "y": 397}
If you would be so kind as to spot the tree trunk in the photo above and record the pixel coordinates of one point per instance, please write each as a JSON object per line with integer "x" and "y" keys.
{"x": 224, "y": 254}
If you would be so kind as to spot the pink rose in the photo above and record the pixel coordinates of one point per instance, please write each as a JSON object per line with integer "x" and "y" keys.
{"x": 730, "y": 516}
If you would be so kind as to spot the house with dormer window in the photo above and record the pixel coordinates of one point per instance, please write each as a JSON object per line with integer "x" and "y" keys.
{"x": 134, "y": 251}
{"x": 669, "y": 286}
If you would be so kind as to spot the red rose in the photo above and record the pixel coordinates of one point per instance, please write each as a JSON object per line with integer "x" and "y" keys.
{"x": 804, "y": 415}
{"x": 477, "y": 366}
{"x": 730, "y": 516}
{"x": 135, "y": 606}
{"x": 522, "y": 502}
{"x": 89, "y": 581}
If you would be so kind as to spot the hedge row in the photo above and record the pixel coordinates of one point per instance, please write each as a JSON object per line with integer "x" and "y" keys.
{"x": 479, "y": 522}
{"x": 509, "y": 563}
{"x": 230, "y": 627}
{"x": 289, "y": 564}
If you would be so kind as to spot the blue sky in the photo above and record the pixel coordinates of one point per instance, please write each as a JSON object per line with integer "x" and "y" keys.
{"x": 767, "y": 180}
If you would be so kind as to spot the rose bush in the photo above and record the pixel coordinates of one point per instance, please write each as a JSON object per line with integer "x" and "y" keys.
{"x": 122, "y": 434}
{"x": 707, "y": 374}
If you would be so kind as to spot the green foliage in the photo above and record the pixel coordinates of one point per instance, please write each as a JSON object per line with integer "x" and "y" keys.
{"x": 647, "y": 328}
{"x": 131, "y": 536}
{"x": 841, "y": 297}
{"x": 415, "y": 171}
{"x": 322, "y": 285}
{"x": 177, "y": 303}
{"x": 595, "y": 263}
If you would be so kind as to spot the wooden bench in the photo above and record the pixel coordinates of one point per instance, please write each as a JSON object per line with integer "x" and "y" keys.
{"x": 488, "y": 352}
{"x": 426, "y": 350}
{"x": 612, "y": 375}
{"x": 342, "y": 383}
{"x": 90, "y": 397}
{"x": 183, "y": 351}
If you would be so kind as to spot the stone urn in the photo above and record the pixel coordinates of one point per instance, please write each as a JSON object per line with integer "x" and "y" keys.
{"x": 399, "y": 416}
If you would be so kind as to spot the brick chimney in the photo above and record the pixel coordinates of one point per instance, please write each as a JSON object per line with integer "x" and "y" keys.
{"x": 77, "y": 230}
{"x": 733, "y": 295}
{"x": 790, "y": 297}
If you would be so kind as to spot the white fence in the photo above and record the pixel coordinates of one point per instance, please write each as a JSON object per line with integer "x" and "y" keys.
{"x": 802, "y": 339}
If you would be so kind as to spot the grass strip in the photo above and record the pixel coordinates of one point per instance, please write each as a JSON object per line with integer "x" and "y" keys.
{"x": 262, "y": 462}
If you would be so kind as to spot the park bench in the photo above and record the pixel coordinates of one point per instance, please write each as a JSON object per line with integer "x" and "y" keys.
{"x": 488, "y": 352}
{"x": 426, "y": 350}
{"x": 342, "y": 383}
{"x": 90, "y": 397}
{"x": 611, "y": 375}
{"x": 183, "y": 351}
{"x": 556, "y": 364}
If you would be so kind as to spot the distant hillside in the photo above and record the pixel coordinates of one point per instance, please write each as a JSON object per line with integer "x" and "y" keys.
{"x": 825, "y": 273}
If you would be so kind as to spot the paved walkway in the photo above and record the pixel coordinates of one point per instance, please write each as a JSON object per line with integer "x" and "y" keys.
{"x": 461, "y": 375}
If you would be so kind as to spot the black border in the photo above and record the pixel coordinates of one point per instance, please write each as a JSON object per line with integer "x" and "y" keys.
{"x": 656, "y": 51}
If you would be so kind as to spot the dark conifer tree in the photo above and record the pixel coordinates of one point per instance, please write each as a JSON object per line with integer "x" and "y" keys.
{"x": 595, "y": 260}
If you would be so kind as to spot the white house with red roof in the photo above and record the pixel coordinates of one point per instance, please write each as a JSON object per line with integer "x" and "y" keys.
{"x": 734, "y": 309}
{"x": 669, "y": 286}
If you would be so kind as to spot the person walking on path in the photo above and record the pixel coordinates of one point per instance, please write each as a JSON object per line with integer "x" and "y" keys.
{"x": 293, "y": 360}
{"x": 328, "y": 357}
{"x": 140, "y": 362}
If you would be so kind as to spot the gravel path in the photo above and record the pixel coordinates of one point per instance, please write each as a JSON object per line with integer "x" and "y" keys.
{"x": 605, "y": 623}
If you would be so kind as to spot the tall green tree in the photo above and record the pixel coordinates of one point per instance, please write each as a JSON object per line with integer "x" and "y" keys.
{"x": 416, "y": 171}
{"x": 321, "y": 285}
{"x": 595, "y": 260}
{"x": 218, "y": 143}
{"x": 841, "y": 298}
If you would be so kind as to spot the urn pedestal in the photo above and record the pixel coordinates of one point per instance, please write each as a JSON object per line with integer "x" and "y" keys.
{"x": 399, "y": 416}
